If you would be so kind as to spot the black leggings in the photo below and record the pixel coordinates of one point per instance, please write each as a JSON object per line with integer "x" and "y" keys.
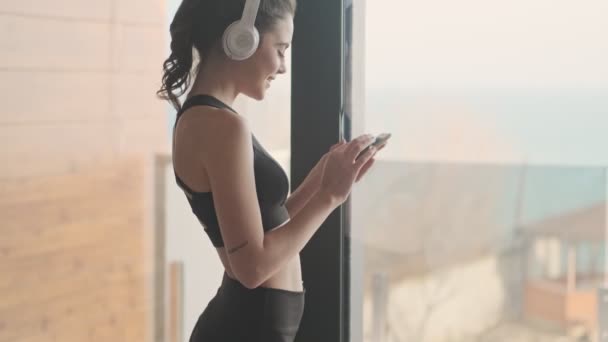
{"x": 238, "y": 314}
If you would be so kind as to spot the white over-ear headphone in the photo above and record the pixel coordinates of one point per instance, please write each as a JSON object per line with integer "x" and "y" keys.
{"x": 241, "y": 38}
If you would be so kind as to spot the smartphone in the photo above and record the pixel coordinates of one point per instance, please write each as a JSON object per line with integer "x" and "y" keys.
{"x": 379, "y": 140}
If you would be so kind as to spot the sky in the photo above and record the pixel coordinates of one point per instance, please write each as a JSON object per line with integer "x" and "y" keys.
{"x": 487, "y": 43}
{"x": 490, "y": 81}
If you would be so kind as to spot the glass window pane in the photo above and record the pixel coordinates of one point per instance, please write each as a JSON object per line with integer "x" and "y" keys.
{"x": 484, "y": 218}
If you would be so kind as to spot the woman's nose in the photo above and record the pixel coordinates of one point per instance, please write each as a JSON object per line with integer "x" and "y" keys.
{"x": 282, "y": 69}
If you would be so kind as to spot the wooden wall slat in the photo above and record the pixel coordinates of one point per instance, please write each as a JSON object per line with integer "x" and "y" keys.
{"x": 67, "y": 236}
{"x": 80, "y": 261}
{"x": 46, "y": 98}
{"x": 93, "y": 282}
{"x": 52, "y": 296}
{"x": 98, "y": 9}
{"x": 141, "y": 11}
{"x": 135, "y": 96}
{"x": 16, "y": 218}
{"x": 136, "y": 50}
{"x": 96, "y": 177}
{"x": 176, "y": 301}
{"x": 52, "y": 44}
{"x": 139, "y": 135}
{"x": 38, "y": 150}
{"x": 76, "y": 313}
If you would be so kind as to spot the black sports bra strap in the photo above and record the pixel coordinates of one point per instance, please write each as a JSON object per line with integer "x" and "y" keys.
{"x": 204, "y": 100}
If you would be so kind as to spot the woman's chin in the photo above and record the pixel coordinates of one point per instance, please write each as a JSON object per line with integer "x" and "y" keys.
{"x": 257, "y": 95}
{"x": 262, "y": 93}
{"x": 260, "y": 96}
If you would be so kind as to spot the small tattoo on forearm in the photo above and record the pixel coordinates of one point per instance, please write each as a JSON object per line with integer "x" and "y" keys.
{"x": 235, "y": 249}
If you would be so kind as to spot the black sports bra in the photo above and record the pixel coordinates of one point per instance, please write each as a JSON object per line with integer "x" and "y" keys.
{"x": 271, "y": 183}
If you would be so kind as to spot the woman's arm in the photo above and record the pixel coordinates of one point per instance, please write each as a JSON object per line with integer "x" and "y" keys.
{"x": 298, "y": 199}
{"x": 253, "y": 255}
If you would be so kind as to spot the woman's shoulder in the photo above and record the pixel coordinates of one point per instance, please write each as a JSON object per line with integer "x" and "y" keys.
{"x": 209, "y": 123}
{"x": 207, "y": 136}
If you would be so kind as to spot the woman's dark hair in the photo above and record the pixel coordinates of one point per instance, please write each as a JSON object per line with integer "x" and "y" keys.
{"x": 199, "y": 24}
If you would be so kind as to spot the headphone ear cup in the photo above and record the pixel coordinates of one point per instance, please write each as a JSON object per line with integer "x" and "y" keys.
{"x": 239, "y": 41}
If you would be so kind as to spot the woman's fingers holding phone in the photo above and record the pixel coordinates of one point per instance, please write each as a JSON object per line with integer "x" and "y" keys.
{"x": 365, "y": 168}
{"x": 340, "y": 170}
{"x": 364, "y": 157}
{"x": 356, "y": 146}
{"x": 381, "y": 146}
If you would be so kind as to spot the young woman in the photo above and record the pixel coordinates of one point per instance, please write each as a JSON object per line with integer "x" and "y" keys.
{"x": 235, "y": 188}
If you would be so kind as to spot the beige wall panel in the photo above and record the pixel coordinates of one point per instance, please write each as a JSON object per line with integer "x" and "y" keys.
{"x": 96, "y": 177}
{"x": 144, "y": 136}
{"x": 90, "y": 9}
{"x": 53, "y": 44}
{"x": 135, "y": 96}
{"x": 139, "y": 48}
{"x": 54, "y": 148}
{"x": 64, "y": 236}
{"x": 33, "y": 96}
{"x": 141, "y": 11}
{"x": 59, "y": 210}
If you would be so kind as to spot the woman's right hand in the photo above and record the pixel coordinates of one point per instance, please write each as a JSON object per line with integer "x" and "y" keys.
{"x": 341, "y": 168}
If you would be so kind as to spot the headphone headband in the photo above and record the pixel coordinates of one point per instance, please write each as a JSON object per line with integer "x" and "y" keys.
{"x": 250, "y": 12}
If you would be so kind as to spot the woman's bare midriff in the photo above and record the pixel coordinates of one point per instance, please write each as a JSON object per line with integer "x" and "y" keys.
{"x": 288, "y": 278}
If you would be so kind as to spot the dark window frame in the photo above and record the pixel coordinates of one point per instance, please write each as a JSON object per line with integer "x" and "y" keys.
{"x": 317, "y": 122}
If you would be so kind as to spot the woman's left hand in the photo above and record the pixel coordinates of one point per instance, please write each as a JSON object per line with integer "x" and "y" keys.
{"x": 314, "y": 177}
{"x": 316, "y": 173}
